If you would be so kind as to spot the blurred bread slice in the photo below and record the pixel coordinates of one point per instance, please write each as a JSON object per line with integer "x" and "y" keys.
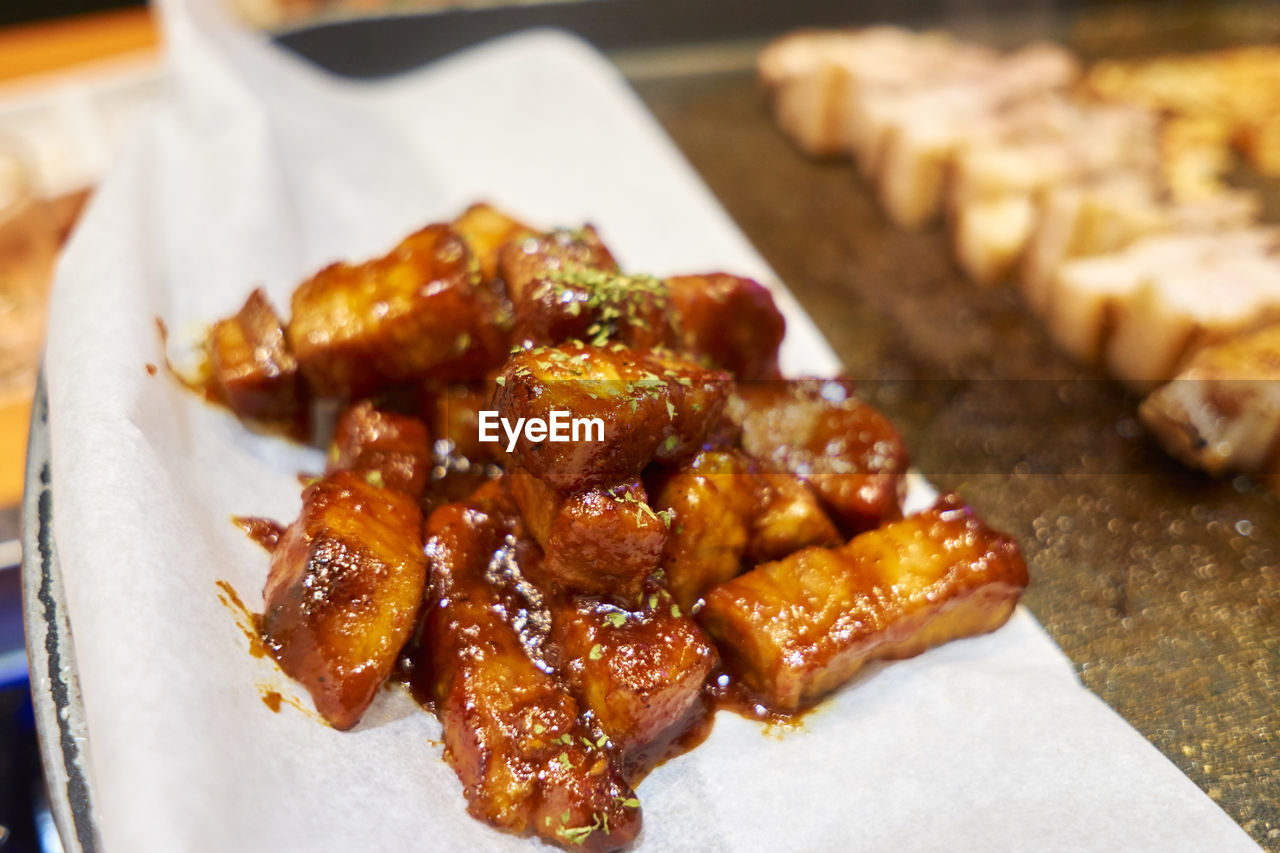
{"x": 1260, "y": 142}
{"x": 1106, "y": 212}
{"x": 814, "y": 76}
{"x": 998, "y": 183}
{"x": 1142, "y": 311}
{"x": 1195, "y": 154}
{"x": 1222, "y": 413}
{"x": 1237, "y": 89}
{"x": 916, "y": 136}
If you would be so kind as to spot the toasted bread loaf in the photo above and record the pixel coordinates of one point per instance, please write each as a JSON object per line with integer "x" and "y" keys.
{"x": 1108, "y": 212}
{"x": 998, "y": 182}
{"x": 1143, "y": 311}
{"x": 814, "y": 77}
{"x": 1222, "y": 413}
{"x": 917, "y": 135}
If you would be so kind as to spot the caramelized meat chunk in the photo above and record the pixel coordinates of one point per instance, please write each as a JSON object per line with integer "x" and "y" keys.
{"x": 818, "y": 430}
{"x": 712, "y": 502}
{"x": 566, "y": 286}
{"x": 695, "y": 400}
{"x": 599, "y": 541}
{"x": 253, "y": 370}
{"x": 723, "y": 512}
{"x": 513, "y": 733}
{"x": 790, "y": 518}
{"x": 485, "y": 230}
{"x": 344, "y": 590}
{"x": 649, "y": 403}
{"x": 731, "y": 321}
{"x": 453, "y": 412}
{"x": 523, "y": 263}
{"x": 420, "y": 309}
{"x": 639, "y": 673}
{"x": 389, "y": 449}
{"x": 796, "y": 629}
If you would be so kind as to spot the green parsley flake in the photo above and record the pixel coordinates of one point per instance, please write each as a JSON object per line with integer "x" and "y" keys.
{"x": 616, "y": 619}
{"x": 597, "y": 652}
{"x": 501, "y": 380}
{"x": 374, "y": 478}
{"x": 675, "y": 610}
{"x": 578, "y": 834}
{"x": 565, "y": 763}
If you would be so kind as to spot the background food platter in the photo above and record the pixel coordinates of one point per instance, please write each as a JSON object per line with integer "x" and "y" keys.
{"x": 1161, "y": 585}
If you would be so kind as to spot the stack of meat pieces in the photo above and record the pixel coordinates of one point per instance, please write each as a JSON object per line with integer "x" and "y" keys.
{"x": 564, "y": 606}
{"x": 1101, "y": 195}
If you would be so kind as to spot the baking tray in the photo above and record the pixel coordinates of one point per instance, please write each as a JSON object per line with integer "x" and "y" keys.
{"x": 55, "y": 688}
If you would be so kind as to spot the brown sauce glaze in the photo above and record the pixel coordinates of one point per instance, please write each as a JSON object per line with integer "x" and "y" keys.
{"x": 246, "y": 619}
{"x": 272, "y": 699}
{"x": 264, "y": 531}
{"x": 681, "y": 737}
{"x": 730, "y": 695}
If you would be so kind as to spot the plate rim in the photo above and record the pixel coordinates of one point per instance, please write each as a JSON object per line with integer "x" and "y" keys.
{"x": 61, "y": 728}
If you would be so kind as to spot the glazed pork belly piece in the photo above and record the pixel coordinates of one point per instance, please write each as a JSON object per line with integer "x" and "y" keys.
{"x": 344, "y": 591}
{"x": 712, "y": 501}
{"x": 654, "y": 406}
{"x": 598, "y": 541}
{"x": 514, "y": 733}
{"x": 818, "y": 430}
{"x": 1222, "y": 412}
{"x": 452, "y": 412}
{"x": 566, "y": 286}
{"x": 386, "y": 448}
{"x": 794, "y": 630}
{"x": 1143, "y": 311}
{"x": 814, "y": 77}
{"x": 420, "y": 310}
{"x": 486, "y": 230}
{"x": 640, "y": 671}
{"x": 252, "y": 369}
{"x": 730, "y": 321}
{"x": 790, "y": 517}
{"x": 725, "y": 514}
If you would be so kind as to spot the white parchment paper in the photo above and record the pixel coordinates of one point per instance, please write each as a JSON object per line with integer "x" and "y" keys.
{"x": 257, "y": 169}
